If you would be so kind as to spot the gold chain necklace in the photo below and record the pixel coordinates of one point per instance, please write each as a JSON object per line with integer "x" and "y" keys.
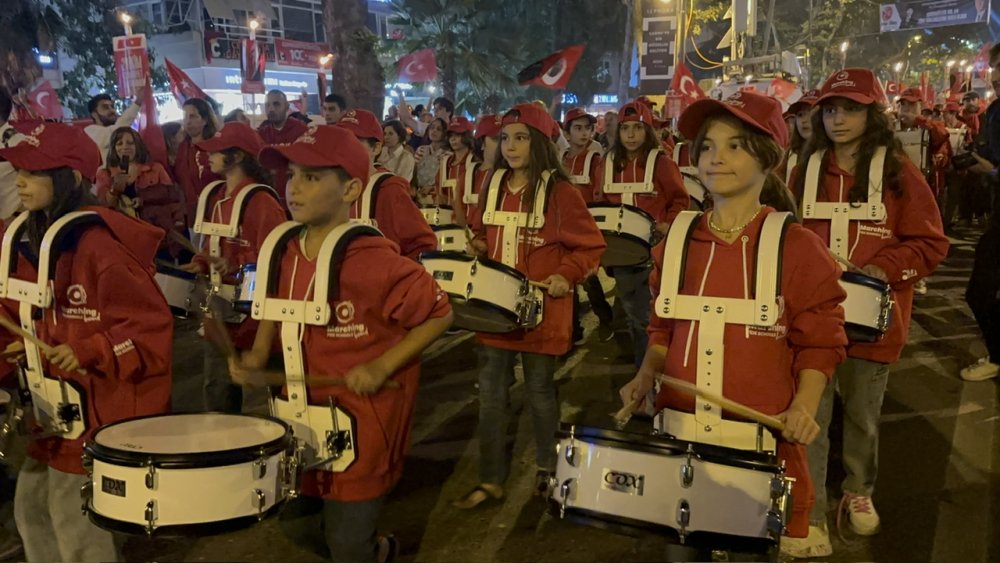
{"x": 718, "y": 229}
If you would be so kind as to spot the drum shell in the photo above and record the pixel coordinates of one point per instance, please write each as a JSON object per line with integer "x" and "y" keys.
{"x": 627, "y": 230}
{"x": 179, "y": 288}
{"x": 246, "y": 283}
{"x": 452, "y": 238}
{"x": 484, "y": 294}
{"x": 868, "y": 307}
{"x": 438, "y": 214}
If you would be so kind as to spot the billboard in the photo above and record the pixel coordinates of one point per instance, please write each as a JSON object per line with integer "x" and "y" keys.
{"x": 923, "y": 14}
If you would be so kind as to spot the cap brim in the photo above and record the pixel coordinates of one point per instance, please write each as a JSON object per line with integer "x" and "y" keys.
{"x": 910, "y": 99}
{"x": 305, "y": 155}
{"x": 588, "y": 117}
{"x": 853, "y": 96}
{"x": 212, "y": 144}
{"x": 25, "y": 157}
{"x": 697, "y": 113}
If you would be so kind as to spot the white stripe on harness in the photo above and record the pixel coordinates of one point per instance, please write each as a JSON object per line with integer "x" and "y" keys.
{"x": 629, "y": 189}
{"x": 510, "y": 222}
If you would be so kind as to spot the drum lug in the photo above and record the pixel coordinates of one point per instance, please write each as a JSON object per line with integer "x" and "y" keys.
{"x": 260, "y": 466}
{"x": 260, "y": 499}
{"x": 687, "y": 470}
{"x": 564, "y": 492}
{"x": 150, "y": 475}
{"x": 291, "y": 469}
{"x": 86, "y": 495}
{"x": 87, "y": 461}
{"x": 569, "y": 452}
{"x": 683, "y": 518}
{"x": 150, "y": 516}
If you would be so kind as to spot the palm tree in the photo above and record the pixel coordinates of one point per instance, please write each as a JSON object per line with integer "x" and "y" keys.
{"x": 357, "y": 73}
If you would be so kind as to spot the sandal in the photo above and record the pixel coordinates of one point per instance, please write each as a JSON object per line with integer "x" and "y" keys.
{"x": 479, "y": 496}
{"x": 388, "y": 548}
{"x": 542, "y": 478}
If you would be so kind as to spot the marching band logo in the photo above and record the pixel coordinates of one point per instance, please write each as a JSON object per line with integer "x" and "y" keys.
{"x": 842, "y": 75}
{"x": 344, "y": 312}
{"x": 76, "y": 295}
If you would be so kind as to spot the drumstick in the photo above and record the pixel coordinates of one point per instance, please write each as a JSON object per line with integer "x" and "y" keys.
{"x": 539, "y": 285}
{"x": 847, "y": 263}
{"x": 625, "y": 414}
{"x": 183, "y": 241}
{"x": 47, "y": 349}
{"x": 728, "y": 404}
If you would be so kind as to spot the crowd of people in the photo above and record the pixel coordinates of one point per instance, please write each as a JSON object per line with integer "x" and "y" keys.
{"x": 837, "y": 169}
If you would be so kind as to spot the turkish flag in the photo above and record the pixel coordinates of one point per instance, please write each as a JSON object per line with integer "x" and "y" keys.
{"x": 893, "y": 88}
{"x": 781, "y": 89}
{"x": 45, "y": 101}
{"x": 181, "y": 85}
{"x": 149, "y": 128}
{"x": 419, "y": 66}
{"x": 554, "y": 71}
{"x": 252, "y": 64}
{"x": 684, "y": 84}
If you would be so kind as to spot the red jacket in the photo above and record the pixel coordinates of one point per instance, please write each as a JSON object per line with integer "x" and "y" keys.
{"x": 670, "y": 197}
{"x": 908, "y": 245}
{"x": 292, "y": 130}
{"x": 971, "y": 120}
{"x": 574, "y": 167}
{"x": 124, "y": 343}
{"x": 384, "y": 296}
{"x": 568, "y": 244}
{"x": 473, "y": 213}
{"x": 193, "y": 173}
{"x": 761, "y": 363}
{"x": 399, "y": 219}
{"x": 262, "y": 214}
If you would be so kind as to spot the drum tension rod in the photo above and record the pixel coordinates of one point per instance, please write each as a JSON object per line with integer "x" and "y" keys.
{"x": 150, "y": 515}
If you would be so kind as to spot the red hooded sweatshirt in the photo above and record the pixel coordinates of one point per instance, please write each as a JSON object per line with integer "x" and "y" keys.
{"x": 761, "y": 363}
{"x": 398, "y": 217}
{"x": 261, "y": 215}
{"x": 118, "y": 324}
{"x": 289, "y": 133}
{"x": 575, "y": 167}
{"x": 568, "y": 244}
{"x": 193, "y": 173}
{"x": 382, "y": 296}
{"x": 908, "y": 245}
{"x": 670, "y": 196}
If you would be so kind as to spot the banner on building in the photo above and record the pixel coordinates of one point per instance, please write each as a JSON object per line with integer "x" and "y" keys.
{"x": 299, "y": 53}
{"x": 252, "y": 63}
{"x": 131, "y": 63}
{"x": 923, "y": 14}
{"x": 657, "y": 45}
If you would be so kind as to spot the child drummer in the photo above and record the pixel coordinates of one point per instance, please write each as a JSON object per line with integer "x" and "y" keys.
{"x": 394, "y": 309}
{"x": 778, "y": 364}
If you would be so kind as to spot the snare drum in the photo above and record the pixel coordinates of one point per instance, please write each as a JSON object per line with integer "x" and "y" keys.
{"x": 485, "y": 295}
{"x": 702, "y": 495}
{"x": 696, "y": 191}
{"x": 180, "y": 474}
{"x": 438, "y": 214}
{"x": 868, "y": 307}
{"x": 451, "y": 237}
{"x": 627, "y": 230}
{"x": 246, "y": 281}
{"x": 180, "y": 288}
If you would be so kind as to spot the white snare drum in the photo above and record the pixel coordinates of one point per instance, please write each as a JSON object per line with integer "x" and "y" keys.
{"x": 627, "y": 230}
{"x": 184, "y": 474}
{"x": 438, "y": 214}
{"x": 451, "y": 237}
{"x": 868, "y": 307}
{"x": 246, "y": 281}
{"x": 486, "y": 296}
{"x": 180, "y": 288}
{"x": 701, "y": 495}
{"x": 696, "y": 190}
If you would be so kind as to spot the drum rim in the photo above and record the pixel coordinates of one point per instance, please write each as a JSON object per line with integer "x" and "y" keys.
{"x": 865, "y": 280}
{"x": 249, "y": 266}
{"x": 633, "y": 208}
{"x": 862, "y": 333}
{"x": 505, "y": 312}
{"x": 447, "y": 226}
{"x": 463, "y": 257}
{"x": 179, "y": 530}
{"x": 216, "y": 458}
{"x": 175, "y": 272}
{"x": 442, "y": 206}
{"x": 730, "y": 457}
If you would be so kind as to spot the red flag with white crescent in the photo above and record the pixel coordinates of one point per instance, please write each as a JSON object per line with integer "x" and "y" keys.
{"x": 46, "y": 101}
{"x": 181, "y": 84}
{"x": 554, "y": 71}
{"x": 419, "y": 66}
{"x": 684, "y": 84}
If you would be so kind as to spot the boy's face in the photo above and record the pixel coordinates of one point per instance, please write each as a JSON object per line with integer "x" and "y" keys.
{"x": 318, "y": 196}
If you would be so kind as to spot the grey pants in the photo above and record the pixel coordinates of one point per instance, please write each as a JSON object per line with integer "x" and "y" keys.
{"x": 632, "y": 287}
{"x": 343, "y": 531}
{"x": 861, "y": 385}
{"x": 52, "y": 527}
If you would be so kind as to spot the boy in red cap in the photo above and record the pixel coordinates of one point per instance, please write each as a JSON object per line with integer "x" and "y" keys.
{"x": 458, "y": 168}
{"x": 385, "y": 201}
{"x": 936, "y": 156}
{"x": 388, "y": 310}
{"x": 628, "y": 162}
{"x": 234, "y": 215}
{"x": 779, "y": 363}
{"x": 560, "y": 249}
{"x": 896, "y": 237}
{"x": 116, "y": 350}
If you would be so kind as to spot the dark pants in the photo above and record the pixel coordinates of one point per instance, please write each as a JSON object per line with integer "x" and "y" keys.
{"x": 342, "y": 531}
{"x": 984, "y": 285}
{"x": 598, "y": 303}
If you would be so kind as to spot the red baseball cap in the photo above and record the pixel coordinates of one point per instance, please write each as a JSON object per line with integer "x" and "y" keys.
{"x": 646, "y": 101}
{"x": 233, "y": 135}
{"x": 910, "y": 95}
{"x": 856, "y": 84}
{"x": 763, "y": 113}
{"x": 953, "y": 107}
{"x": 363, "y": 124}
{"x": 807, "y": 100}
{"x": 322, "y": 146}
{"x": 577, "y": 113}
{"x": 55, "y": 145}
{"x": 533, "y": 116}
{"x": 488, "y": 126}
{"x": 641, "y": 113}
{"x": 460, "y": 125}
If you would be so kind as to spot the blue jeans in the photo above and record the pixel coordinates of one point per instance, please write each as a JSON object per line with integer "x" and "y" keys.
{"x": 342, "y": 531}
{"x": 861, "y": 385}
{"x": 495, "y": 379}
{"x": 632, "y": 287}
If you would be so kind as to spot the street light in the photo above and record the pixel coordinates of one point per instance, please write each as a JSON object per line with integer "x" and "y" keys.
{"x": 126, "y": 20}
{"x": 254, "y": 25}
{"x": 898, "y": 67}
{"x": 843, "y": 53}
{"x": 326, "y": 59}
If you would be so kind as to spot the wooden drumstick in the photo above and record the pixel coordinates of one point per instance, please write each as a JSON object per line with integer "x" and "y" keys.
{"x": 183, "y": 241}
{"x": 625, "y": 414}
{"x": 539, "y": 285}
{"x": 727, "y": 404}
{"x": 42, "y": 345}
{"x": 847, "y": 263}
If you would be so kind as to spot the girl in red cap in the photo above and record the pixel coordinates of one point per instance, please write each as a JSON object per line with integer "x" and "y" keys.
{"x": 139, "y": 187}
{"x": 778, "y": 362}
{"x": 487, "y": 145}
{"x": 800, "y": 113}
{"x": 664, "y": 198}
{"x": 894, "y": 234}
{"x": 235, "y": 215}
{"x": 108, "y": 324}
{"x": 559, "y": 249}
{"x": 458, "y": 168}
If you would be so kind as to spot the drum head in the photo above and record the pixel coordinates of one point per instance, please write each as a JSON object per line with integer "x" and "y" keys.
{"x": 624, "y": 250}
{"x": 480, "y": 316}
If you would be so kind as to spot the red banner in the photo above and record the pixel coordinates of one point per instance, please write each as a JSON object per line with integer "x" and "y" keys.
{"x": 252, "y": 61}
{"x": 131, "y": 63}
{"x": 298, "y": 53}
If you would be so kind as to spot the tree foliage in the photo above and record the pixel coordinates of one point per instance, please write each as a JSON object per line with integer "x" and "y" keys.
{"x": 357, "y": 76}
{"x": 26, "y": 28}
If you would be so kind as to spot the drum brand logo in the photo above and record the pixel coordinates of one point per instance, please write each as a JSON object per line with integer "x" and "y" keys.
{"x": 112, "y": 486}
{"x": 622, "y": 482}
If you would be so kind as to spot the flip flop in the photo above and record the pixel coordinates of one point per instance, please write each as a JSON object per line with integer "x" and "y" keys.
{"x": 486, "y": 498}
{"x": 388, "y": 553}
